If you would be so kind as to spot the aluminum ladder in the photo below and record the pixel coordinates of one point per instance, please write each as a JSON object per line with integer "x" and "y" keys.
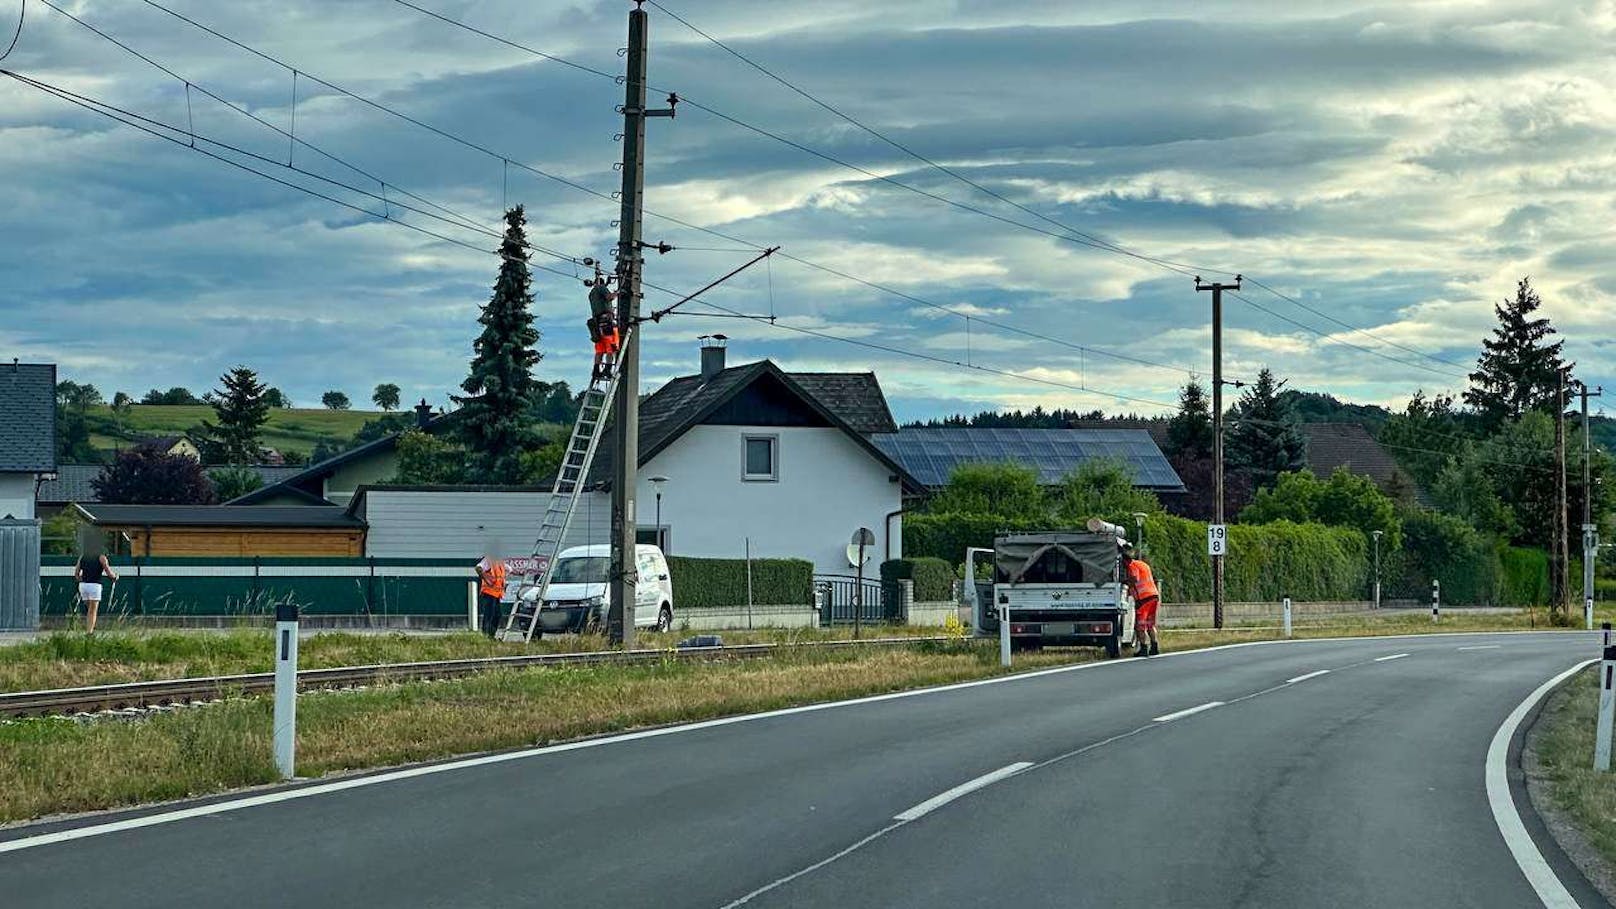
{"x": 570, "y": 481}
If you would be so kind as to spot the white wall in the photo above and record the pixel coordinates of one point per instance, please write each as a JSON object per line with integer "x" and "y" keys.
{"x": 425, "y": 524}
{"x": 17, "y": 495}
{"x": 828, "y": 488}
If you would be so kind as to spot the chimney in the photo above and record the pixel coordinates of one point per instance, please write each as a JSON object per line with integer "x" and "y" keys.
{"x": 423, "y": 414}
{"x": 712, "y": 355}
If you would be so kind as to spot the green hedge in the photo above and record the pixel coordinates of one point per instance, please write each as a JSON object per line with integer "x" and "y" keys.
{"x": 1524, "y": 577}
{"x": 933, "y": 577}
{"x": 703, "y": 583}
{"x": 1265, "y": 562}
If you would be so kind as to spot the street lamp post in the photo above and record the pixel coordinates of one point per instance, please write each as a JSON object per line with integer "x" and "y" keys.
{"x": 1377, "y": 534}
{"x": 656, "y": 483}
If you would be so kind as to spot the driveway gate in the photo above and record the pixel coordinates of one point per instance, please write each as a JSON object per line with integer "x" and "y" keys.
{"x": 19, "y": 574}
{"x": 842, "y": 597}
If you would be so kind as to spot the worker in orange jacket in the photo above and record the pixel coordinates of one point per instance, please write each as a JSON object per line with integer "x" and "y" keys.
{"x": 1141, "y": 582}
{"x": 490, "y": 590}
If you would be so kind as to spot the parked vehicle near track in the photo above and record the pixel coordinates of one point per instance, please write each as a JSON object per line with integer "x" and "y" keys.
{"x": 1057, "y": 587}
{"x": 579, "y": 597}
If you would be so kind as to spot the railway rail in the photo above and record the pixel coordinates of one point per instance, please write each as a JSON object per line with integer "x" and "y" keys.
{"x": 96, "y": 698}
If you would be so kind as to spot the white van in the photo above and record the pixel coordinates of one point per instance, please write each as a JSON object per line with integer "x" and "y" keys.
{"x": 580, "y": 595}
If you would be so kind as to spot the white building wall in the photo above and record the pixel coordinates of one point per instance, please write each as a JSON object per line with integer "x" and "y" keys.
{"x": 17, "y": 495}
{"x": 436, "y": 524}
{"x": 829, "y": 487}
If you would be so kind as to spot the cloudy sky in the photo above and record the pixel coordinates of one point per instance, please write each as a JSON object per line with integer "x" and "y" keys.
{"x": 1394, "y": 167}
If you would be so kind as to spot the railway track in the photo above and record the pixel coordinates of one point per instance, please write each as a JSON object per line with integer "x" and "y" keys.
{"x": 96, "y": 698}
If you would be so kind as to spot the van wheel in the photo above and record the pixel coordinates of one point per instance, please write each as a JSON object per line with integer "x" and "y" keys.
{"x": 1113, "y": 646}
{"x": 664, "y": 618}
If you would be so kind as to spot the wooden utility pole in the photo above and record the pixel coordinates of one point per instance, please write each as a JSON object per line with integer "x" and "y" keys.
{"x": 626, "y": 443}
{"x": 1217, "y": 432}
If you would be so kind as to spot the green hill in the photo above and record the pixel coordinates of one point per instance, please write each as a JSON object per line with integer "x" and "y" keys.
{"x": 291, "y": 429}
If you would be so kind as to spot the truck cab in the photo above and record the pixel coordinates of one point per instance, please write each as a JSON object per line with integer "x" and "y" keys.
{"x": 1054, "y": 587}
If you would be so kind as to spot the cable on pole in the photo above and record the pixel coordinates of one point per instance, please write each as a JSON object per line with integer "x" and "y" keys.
{"x": 22, "y": 13}
{"x": 658, "y": 314}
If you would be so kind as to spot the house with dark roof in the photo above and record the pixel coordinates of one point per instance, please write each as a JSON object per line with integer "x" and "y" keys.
{"x": 1349, "y": 445}
{"x": 230, "y": 530}
{"x": 72, "y": 485}
{"x": 731, "y": 457}
{"x": 27, "y": 434}
{"x": 334, "y": 481}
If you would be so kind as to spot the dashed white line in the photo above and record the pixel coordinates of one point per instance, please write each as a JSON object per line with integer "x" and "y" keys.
{"x": 938, "y": 801}
{"x": 1395, "y": 656}
{"x": 1168, "y": 718}
{"x": 1311, "y": 675}
{"x": 1480, "y": 647}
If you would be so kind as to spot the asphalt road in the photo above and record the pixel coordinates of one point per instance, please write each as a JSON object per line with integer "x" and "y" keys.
{"x": 1362, "y": 786}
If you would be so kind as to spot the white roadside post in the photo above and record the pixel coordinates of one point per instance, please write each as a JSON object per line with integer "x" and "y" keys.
{"x": 1588, "y": 611}
{"x": 1436, "y": 600}
{"x": 1287, "y": 602}
{"x": 1605, "y": 626}
{"x": 285, "y": 687}
{"x": 1607, "y": 707}
{"x": 1004, "y": 634}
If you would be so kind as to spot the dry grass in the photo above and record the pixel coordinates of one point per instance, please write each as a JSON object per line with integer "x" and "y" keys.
{"x": 69, "y": 659}
{"x": 52, "y": 766}
{"x": 1565, "y": 751}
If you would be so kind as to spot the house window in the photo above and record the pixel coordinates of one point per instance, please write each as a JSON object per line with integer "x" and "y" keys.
{"x": 760, "y": 458}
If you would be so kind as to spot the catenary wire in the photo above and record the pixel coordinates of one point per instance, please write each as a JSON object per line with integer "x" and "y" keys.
{"x": 22, "y": 13}
{"x": 1080, "y": 237}
{"x": 598, "y": 194}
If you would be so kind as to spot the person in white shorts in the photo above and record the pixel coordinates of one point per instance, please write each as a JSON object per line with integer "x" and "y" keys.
{"x": 89, "y": 571}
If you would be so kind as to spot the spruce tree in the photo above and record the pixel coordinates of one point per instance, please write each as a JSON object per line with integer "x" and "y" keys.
{"x": 1189, "y": 432}
{"x": 241, "y": 407}
{"x": 1518, "y": 369}
{"x": 493, "y": 415}
{"x": 1266, "y": 439}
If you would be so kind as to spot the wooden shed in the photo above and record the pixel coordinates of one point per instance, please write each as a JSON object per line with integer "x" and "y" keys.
{"x": 231, "y": 530}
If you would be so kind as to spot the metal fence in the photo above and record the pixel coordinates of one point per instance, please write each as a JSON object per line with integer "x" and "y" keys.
{"x": 844, "y": 599}
{"x": 19, "y": 574}
{"x": 247, "y": 587}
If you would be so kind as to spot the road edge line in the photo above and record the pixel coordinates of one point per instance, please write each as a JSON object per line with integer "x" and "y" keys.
{"x": 225, "y": 802}
{"x": 1548, "y": 886}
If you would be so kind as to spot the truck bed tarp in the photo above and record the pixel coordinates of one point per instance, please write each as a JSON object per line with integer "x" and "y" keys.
{"x": 1055, "y": 556}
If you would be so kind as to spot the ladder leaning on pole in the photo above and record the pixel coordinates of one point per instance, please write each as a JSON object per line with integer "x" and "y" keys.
{"x": 570, "y": 481}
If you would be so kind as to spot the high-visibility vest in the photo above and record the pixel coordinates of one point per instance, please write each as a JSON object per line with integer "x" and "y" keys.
{"x": 1144, "y": 583}
{"x": 494, "y": 578}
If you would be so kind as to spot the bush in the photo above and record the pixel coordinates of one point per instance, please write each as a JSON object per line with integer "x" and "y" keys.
{"x": 1448, "y": 549}
{"x": 945, "y": 536}
{"x": 933, "y": 577}
{"x": 705, "y": 583}
{"x": 1523, "y": 576}
{"x": 1307, "y": 562}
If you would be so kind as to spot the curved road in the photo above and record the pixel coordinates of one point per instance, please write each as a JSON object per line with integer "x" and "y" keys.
{"x": 1315, "y": 773}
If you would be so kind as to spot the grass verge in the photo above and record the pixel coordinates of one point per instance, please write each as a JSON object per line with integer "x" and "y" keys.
{"x": 51, "y": 766}
{"x": 1562, "y": 743}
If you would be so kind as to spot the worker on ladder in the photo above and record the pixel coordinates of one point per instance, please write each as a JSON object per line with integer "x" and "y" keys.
{"x": 603, "y": 329}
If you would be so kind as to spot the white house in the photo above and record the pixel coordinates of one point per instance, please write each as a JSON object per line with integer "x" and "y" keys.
{"x": 27, "y": 434}
{"x": 744, "y": 455}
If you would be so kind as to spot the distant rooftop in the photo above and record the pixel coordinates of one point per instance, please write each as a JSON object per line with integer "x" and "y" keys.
{"x": 931, "y": 453}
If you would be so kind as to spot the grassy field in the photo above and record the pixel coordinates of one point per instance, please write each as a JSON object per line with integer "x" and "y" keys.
{"x": 54, "y": 765}
{"x": 1565, "y": 751}
{"x": 294, "y": 429}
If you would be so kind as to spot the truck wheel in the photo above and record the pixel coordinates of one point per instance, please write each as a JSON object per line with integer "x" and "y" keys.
{"x": 1113, "y": 646}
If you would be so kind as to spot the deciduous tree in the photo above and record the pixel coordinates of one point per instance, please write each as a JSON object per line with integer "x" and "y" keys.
{"x": 148, "y": 475}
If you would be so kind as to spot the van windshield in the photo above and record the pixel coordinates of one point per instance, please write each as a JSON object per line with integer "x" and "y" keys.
{"x": 581, "y": 570}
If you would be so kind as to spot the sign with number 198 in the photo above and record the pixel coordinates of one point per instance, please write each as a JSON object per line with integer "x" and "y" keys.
{"x": 1217, "y": 539}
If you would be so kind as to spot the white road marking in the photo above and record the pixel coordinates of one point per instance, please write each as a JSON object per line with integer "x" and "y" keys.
{"x": 938, "y": 801}
{"x": 1395, "y": 656}
{"x": 1311, "y": 675}
{"x": 1168, "y": 718}
{"x": 1538, "y": 873}
{"x": 227, "y": 805}
{"x": 781, "y": 882}
{"x": 1481, "y": 647}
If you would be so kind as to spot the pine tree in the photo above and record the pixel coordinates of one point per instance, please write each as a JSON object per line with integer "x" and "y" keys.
{"x": 1266, "y": 440}
{"x": 1189, "y": 432}
{"x": 240, "y": 405}
{"x": 1518, "y": 369}
{"x": 500, "y": 388}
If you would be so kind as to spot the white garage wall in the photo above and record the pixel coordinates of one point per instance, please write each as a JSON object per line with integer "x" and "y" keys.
{"x": 828, "y": 488}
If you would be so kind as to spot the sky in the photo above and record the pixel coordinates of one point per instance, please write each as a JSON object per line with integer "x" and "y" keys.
{"x": 1392, "y": 169}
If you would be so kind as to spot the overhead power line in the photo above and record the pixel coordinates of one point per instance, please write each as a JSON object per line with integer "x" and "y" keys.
{"x": 1345, "y": 343}
{"x": 579, "y": 187}
{"x": 22, "y": 13}
{"x": 1350, "y": 327}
